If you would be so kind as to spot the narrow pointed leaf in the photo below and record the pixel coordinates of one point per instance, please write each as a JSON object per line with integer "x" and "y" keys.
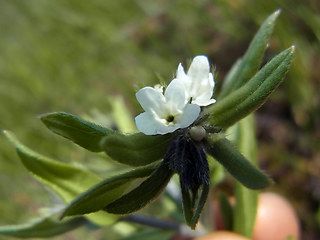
{"x": 136, "y": 149}
{"x": 246, "y": 205}
{"x": 105, "y": 192}
{"x": 252, "y": 95}
{"x": 236, "y": 164}
{"x": 252, "y": 59}
{"x": 193, "y": 204}
{"x": 188, "y": 159}
{"x": 65, "y": 180}
{"x": 42, "y": 228}
{"x": 86, "y": 134}
{"x": 203, "y": 195}
{"x": 143, "y": 194}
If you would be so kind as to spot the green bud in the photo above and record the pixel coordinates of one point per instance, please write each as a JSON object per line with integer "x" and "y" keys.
{"x": 197, "y": 133}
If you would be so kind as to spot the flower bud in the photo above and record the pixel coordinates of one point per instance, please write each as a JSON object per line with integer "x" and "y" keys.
{"x": 197, "y": 133}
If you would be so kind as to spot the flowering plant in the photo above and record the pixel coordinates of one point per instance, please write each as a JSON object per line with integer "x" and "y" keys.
{"x": 180, "y": 130}
{"x": 179, "y": 107}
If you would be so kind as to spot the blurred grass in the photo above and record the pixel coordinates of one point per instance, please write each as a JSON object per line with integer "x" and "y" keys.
{"x": 73, "y": 55}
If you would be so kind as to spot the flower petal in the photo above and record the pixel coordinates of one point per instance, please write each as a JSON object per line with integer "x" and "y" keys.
{"x": 203, "y": 97}
{"x": 176, "y": 93}
{"x": 151, "y": 99}
{"x": 190, "y": 114}
{"x": 199, "y": 68}
{"x": 180, "y": 72}
{"x": 211, "y": 81}
{"x": 149, "y": 124}
{"x": 146, "y": 123}
{"x": 203, "y": 101}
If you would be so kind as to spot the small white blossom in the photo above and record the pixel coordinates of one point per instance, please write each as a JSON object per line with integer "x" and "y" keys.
{"x": 198, "y": 81}
{"x": 165, "y": 113}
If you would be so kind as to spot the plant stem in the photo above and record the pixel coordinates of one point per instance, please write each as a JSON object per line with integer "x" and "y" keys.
{"x": 164, "y": 225}
{"x": 152, "y": 222}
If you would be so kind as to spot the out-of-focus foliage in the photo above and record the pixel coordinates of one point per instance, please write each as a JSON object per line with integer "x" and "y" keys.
{"x": 73, "y": 55}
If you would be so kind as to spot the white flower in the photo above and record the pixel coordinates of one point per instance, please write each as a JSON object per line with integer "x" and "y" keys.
{"x": 199, "y": 82}
{"x": 165, "y": 113}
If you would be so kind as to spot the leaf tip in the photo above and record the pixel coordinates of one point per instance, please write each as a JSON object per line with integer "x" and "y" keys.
{"x": 264, "y": 184}
{"x": 9, "y": 135}
{"x": 293, "y": 48}
{"x": 62, "y": 216}
{"x": 42, "y": 116}
{"x": 278, "y": 11}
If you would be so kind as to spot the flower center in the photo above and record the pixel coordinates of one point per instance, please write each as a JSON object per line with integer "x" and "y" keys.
{"x": 170, "y": 119}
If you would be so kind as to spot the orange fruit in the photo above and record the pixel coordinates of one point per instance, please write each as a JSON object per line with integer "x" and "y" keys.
{"x": 222, "y": 235}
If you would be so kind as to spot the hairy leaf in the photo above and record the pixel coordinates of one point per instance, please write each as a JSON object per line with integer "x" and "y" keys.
{"x": 236, "y": 164}
{"x": 100, "y": 195}
{"x": 143, "y": 194}
{"x": 193, "y": 203}
{"x": 252, "y": 95}
{"x": 67, "y": 181}
{"x": 86, "y": 134}
{"x": 243, "y": 70}
{"x": 136, "y": 149}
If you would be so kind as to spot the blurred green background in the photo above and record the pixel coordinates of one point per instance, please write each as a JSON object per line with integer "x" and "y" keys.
{"x": 72, "y": 56}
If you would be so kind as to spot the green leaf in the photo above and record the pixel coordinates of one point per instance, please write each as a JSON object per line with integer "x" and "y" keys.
{"x": 136, "y": 149}
{"x": 42, "y": 228}
{"x": 121, "y": 115}
{"x": 105, "y": 192}
{"x": 143, "y": 194}
{"x": 246, "y": 205}
{"x": 236, "y": 164}
{"x": 243, "y": 70}
{"x": 65, "y": 180}
{"x": 217, "y": 172}
{"x": 252, "y": 95}
{"x": 86, "y": 134}
{"x": 193, "y": 203}
{"x": 226, "y": 211}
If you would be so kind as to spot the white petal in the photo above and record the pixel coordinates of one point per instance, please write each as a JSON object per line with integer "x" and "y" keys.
{"x": 167, "y": 129}
{"x": 211, "y": 80}
{"x": 149, "y": 125}
{"x": 203, "y": 96}
{"x": 176, "y": 93}
{"x": 204, "y": 101}
{"x": 151, "y": 99}
{"x": 199, "y": 68}
{"x": 190, "y": 114}
{"x": 146, "y": 123}
{"x": 180, "y": 72}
